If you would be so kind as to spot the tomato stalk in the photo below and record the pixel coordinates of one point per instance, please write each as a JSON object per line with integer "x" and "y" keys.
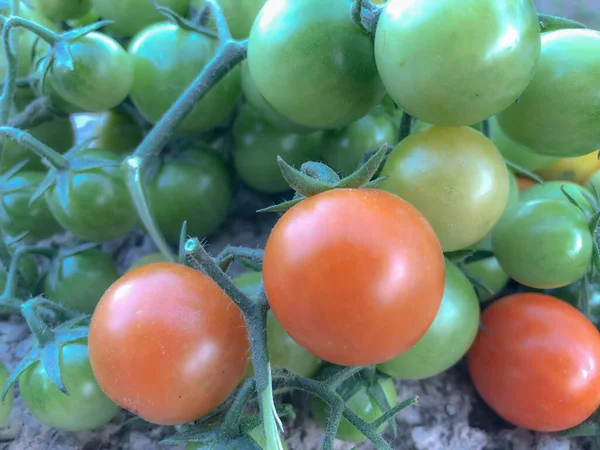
{"x": 57, "y": 160}
{"x": 35, "y": 113}
{"x": 11, "y": 50}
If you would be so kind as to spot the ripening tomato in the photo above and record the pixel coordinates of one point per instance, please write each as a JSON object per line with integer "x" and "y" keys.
{"x": 554, "y": 189}
{"x": 354, "y": 259}
{"x": 558, "y": 112}
{"x": 577, "y": 169}
{"x": 438, "y": 61}
{"x": 61, "y": 10}
{"x": 169, "y": 365}
{"x": 312, "y": 63}
{"x": 455, "y": 177}
{"x": 537, "y": 362}
{"x": 525, "y": 182}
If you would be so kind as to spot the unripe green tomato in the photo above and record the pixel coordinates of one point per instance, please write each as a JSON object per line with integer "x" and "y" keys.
{"x": 256, "y": 146}
{"x": 543, "y": 243}
{"x": 148, "y": 259}
{"x": 91, "y": 17}
{"x": 517, "y": 153}
{"x": 489, "y": 273}
{"x": 361, "y": 402}
{"x": 448, "y": 338}
{"x": 553, "y": 189}
{"x": 558, "y": 112}
{"x": 593, "y": 182}
{"x": 455, "y": 177}
{"x": 312, "y": 63}
{"x": 78, "y": 281}
{"x": 345, "y": 148}
{"x": 117, "y": 132}
{"x": 439, "y": 61}
{"x": 240, "y": 15}
{"x": 85, "y": 408}
{"x": 28, "y": 270}
{"x": 5, "y": 407}
{"x": 62, "y": 10}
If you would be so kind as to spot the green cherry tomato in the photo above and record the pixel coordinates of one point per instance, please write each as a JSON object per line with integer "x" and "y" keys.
{"x": 543, "y": 243}
{"x": 558, "y": 112}
{"x": 263, "y": 107}
{"x": 97, "y": 206}
{"x": 489, "y": 273}
{"x": 312, "y": 63}
{"x": 57, "y": 133}
{"x": 256, "y": 146}
{"x": 195, "y": 187}
{"x": 170, "y": 57}
{"x": 361, "y": 402}
{"x": 6, "y": 407}
{"x": 455, "y": 177}
{"x": 18, "y": 216}
{"x": 240, "y": 15}
{"x": 117, "y": 132}
{"x": 439, "y": 62}
{"x": 517, "y": 153}
{"x": 101, "y": 76}
{"x": 131, "y": 16}
{"x": 345, "y": 148}
{"x": 62, "y": 10}
{"x": 148, "y": 259}
{"x": 85, "y": 408}
{"x": 448, "y": 338}
{"x": 89, "y": 18}
{"x": 79, "y": 280}
{"x": 553, "y": 189}
{"x": 28, "y": 270}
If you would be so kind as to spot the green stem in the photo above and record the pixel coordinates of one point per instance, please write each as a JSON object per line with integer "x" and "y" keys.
{"x": 230, "y": 425}
{"x": 10, "y": 41}
{"x": 406, "y": 123}
{"x": 41, "y": 332}
{"x": 35, "y": 113}
{"x": 221, "y": 22}
{"x": 12, "y": 280}
{"x": 44, "y": 33}
{"x": 57, "y": 160}
{"x": 333, "y": 423}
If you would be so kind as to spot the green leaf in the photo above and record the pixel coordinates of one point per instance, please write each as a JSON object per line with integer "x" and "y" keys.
{"x": 50, "y": 355}
{"x": 62, "y": 191}
{"x": 320, "y": 171}
{"x": 523, "y": 171}
{"x": 31, "y": 358}
{"x": 46, "y": 184}
{"x": 367, "y": 171}
{"x": 478, "y": 283}
{"x": 83, "y": 164}
{"x": 376, "y": 183}
{"x": 572, "y": 200}
{"x": 281, "y": 207}
{"x": 62, "y": 53}
{"x": 76, "y": 33}
{"x": 459, "y": 256}
{"x": 183, "y": 23}
{"x": 553, "y": 23}
{"x": 182, "y": 239}
{"x": 300, "y": 182}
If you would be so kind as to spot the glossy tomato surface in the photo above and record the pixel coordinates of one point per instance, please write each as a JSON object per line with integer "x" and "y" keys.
{"x": 342, "y": 272}
{"x": 537, "y": 363}
{"x": 117, "y": 132}
{"x": 438, "y": 62}
{"x": 61, "y": 10}
{"x": 554, "y": 189}
{"x": 312, "y": 63}
{"x": 577, "y": 170}
{"x": 169, "y": 365}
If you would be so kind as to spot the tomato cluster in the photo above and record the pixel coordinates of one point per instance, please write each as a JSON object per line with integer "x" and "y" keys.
{"x": 434, "y": 159}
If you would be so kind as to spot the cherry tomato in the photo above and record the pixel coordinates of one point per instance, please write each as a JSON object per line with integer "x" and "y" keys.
{"x": 593, "y": 182}
{"x": 101, "y": 76}
{"x": 17, "y": 215}
{"x": 99, "y": 204}
{"x": 345, "y": 148}
{"x": 537, "y": 363}
{"x": 455, "y": 177}
{"x": 61, "y": 10}
{"x": 131, "y": 16}
{"x": 489, "y": 273}
{"x": 79, "y": 280}
{"x": 173, "y": 364}
{"x": 553, "y": 189}
{"x": 317, "y": 278}
{"x": 240, "y": 15}
{"x": 256, "y": 145}
{"x": 148, "y": 259}
{"x": 492, "y": 44}
{"x": 557, "y": 113}
{"x": 543, "y": 243}
{"x": 312, "y": 63}
{"x": 448, "y": 338}
{"x": 28, "y": 270}
{"x": 525, "y": 182}
{"x": 577, "y": 169}
{"x": 170, "y": 57}
{"x": 117, "y": 132}
{"x": 360, "y": 401}
{"x": 6, "y": 407}
{"x": 85, "y": 408}
{"x": 194, "y": 187}
{"x": 517, "y": 153}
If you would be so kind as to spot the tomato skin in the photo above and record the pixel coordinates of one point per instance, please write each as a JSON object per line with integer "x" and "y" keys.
{"x": 134, "y": 335}
{"x": 593, "y": 182}
{"x": 168, "y": 56}
{"x": 448, "y": 338}
{"x": 450, "y": 85}
{"x": 538, "y": 362}
{"x": 102, "y": 76}
{"x": 434, "y": 171}
{"x": 196, "y": 187}
{"x": 131, "y": 16}
{"x": 5, "y": 408}
{"x": 100, "y": 206}
{"x": 543, "y": 243}
{"x": 85, "y": 408}
{"x": 553, "y": 189}
{"x": 488, "y": 272}
{"x": 557, "y": 113}
{"x": 78, "y": 281}
{"x": 577, "y": 170}
{"x": 345, "y": 148}
{"x": 116, "y": 132}
{"x": 256, "y": 145}
{"x": 294, "y": 54}
{"x": 517, "y": 153}
{"x": 62, "y": 10}
{"x": 362, "y": 403}
{"x": 386, "y": 242}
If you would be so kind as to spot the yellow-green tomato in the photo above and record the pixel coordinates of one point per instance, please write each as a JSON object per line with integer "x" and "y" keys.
{"x": 455, "y": 177}
{"x": 489, "y": 273}
{"x": 558, "y": 112}
{"x": 448, "y": 338}
{"x": 456, "y": 63}
{"x": 5, "y": 407}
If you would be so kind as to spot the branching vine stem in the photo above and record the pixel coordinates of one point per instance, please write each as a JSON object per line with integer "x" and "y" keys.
{"x": 42, "y": 150}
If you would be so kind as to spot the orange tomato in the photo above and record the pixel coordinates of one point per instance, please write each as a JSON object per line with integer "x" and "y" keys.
{"x": 524, "y": 182}
{"x": 577, "y": 169}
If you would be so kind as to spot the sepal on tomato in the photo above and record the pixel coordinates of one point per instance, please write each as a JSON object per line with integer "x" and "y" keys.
{"x": 552, "y": 23}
